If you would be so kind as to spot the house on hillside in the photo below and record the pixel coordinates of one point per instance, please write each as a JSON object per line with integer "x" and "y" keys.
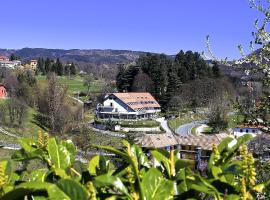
{"x": 247, "y": 129}
{"x": 3, "y": 91}
{"x": 31, "y": 65}
{"x": 128, "y": 106}
{"x": 4, "y": 58}
{"x": 6, "y": 63}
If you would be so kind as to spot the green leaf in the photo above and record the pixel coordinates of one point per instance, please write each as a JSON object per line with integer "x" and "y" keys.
{"x": 98, "y": 165}
{"x": 73, "y": 189}
{"x": 61, "y": 173}
{"x": 36, "y": 187}
{"x": 58, "y": 154}
{"x": 162, "y": 160}
{"x": 93, "y": 165}
{"x": 22, "y": 155}
{"x": 128, "y": 159}
{"x": 39, "y": 175}
{"x": 182, "y": 186}
{"x": 141, "y": 157}
{"x": 156, "y": 187}
{"x": 111, "y": 181}
{"x": 71, "y": 148}
{"x": 28, "y": 144}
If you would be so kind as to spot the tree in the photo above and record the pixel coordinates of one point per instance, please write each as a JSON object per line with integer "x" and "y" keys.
{"x": 48, "y": 65}
{"x": 41, "y": 66}
{"x": 142, "y": 83}
{"x": 215, "y": 70}
{"x": 72, "y": 69}
{"x": 17, "y": 112}
{"x": 13, "y": 57}
{"x": 55, "y": 97}
{"x": 87, "y": 82}
{"x": 59, "y": 67}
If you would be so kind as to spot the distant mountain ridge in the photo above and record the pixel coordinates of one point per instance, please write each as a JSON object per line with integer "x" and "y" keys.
{"x": 102, "y": 62}
{"x": 94, "y": 56}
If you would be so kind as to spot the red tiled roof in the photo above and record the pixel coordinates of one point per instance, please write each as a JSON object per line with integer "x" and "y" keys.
{"x": 138, "y": 100}
{"x": 3, "y": 58}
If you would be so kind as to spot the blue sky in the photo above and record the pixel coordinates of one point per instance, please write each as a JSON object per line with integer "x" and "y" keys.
{"x": 163, "y": 26}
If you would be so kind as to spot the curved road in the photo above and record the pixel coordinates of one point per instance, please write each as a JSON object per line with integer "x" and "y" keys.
{"x": 185, "y": 129}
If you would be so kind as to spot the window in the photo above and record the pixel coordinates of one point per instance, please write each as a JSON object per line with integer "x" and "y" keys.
{"x": 246, "y": 130}
{"x": 111, "y": 104}
{"x": 116, "y": 109}
{"x": 241, "y": 130}
{"x": 253, "y": 131}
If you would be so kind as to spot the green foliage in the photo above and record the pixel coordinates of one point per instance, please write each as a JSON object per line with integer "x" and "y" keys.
{"x": 136, "y": 178}
{"x": 166, "y": 75}
{"x": 46, "y": 66}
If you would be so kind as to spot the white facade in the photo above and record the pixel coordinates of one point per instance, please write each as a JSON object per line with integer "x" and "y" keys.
{"x": 114, "y": 108}
{"x": 240, "y": 131}
{"x": 10, "y": 64}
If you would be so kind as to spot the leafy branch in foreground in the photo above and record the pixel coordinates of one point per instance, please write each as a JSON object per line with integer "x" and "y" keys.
{"x": 136, "y": 177}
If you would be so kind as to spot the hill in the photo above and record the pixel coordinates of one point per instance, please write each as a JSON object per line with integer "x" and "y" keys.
{"x": 102, "y": 63}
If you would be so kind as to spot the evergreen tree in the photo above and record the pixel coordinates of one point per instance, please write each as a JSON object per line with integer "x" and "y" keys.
{"x": 72, "y": 69}
{"x": 54, "y": 68}
{"x": 13, "y": 57}
{"x": 59, "y": 67}
{"x": 47, "y": 66}
{"x": 41, "y": 66}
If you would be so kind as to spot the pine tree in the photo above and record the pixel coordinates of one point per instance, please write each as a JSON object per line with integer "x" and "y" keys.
{"x": 59, "y": 67}
{"x": 41, "y": 66}
{"x": 48, "y": 65}
{"x": 72, "y": 69}
{"x": 13, "y": 57}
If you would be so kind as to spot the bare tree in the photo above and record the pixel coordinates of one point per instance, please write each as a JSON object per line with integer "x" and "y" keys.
{"x": 56, "y": 96}
{"x": 87, "y": 81}
{"x": 142, "y": 83}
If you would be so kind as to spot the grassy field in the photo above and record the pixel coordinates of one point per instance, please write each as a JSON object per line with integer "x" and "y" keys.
{"x": 75, "y": 84}
{"x": 29, "y": 130}
{"x": 206, "y": 130}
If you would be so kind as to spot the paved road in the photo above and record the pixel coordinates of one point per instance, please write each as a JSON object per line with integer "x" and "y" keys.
{"x": 185, "y": 129}
{"x": 164, "y": 124}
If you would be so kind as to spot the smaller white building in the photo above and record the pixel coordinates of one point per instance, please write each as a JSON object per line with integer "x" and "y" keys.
{"x": 242, "y": 130}
{"x": 128, "y": 106}
{"x": 10, "y": 64}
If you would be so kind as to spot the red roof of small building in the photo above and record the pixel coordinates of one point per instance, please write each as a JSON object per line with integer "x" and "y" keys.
{"x": 4, "y": 58}
{"x": 138, "y": 100}
{"x": 3, "y": 91}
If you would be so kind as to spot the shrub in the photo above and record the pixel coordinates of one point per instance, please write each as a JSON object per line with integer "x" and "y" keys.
{"x": 135, "y": 178}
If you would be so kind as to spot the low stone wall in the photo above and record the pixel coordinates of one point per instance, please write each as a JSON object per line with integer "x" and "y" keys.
{"x": 128, "y": 129}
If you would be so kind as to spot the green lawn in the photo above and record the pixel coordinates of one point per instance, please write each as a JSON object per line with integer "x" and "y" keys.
{"x": 29, "y": 130}
{"x": 193, "y": 130}
{"x": 75, "y": 84}
{"x": 206, "y": 130}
